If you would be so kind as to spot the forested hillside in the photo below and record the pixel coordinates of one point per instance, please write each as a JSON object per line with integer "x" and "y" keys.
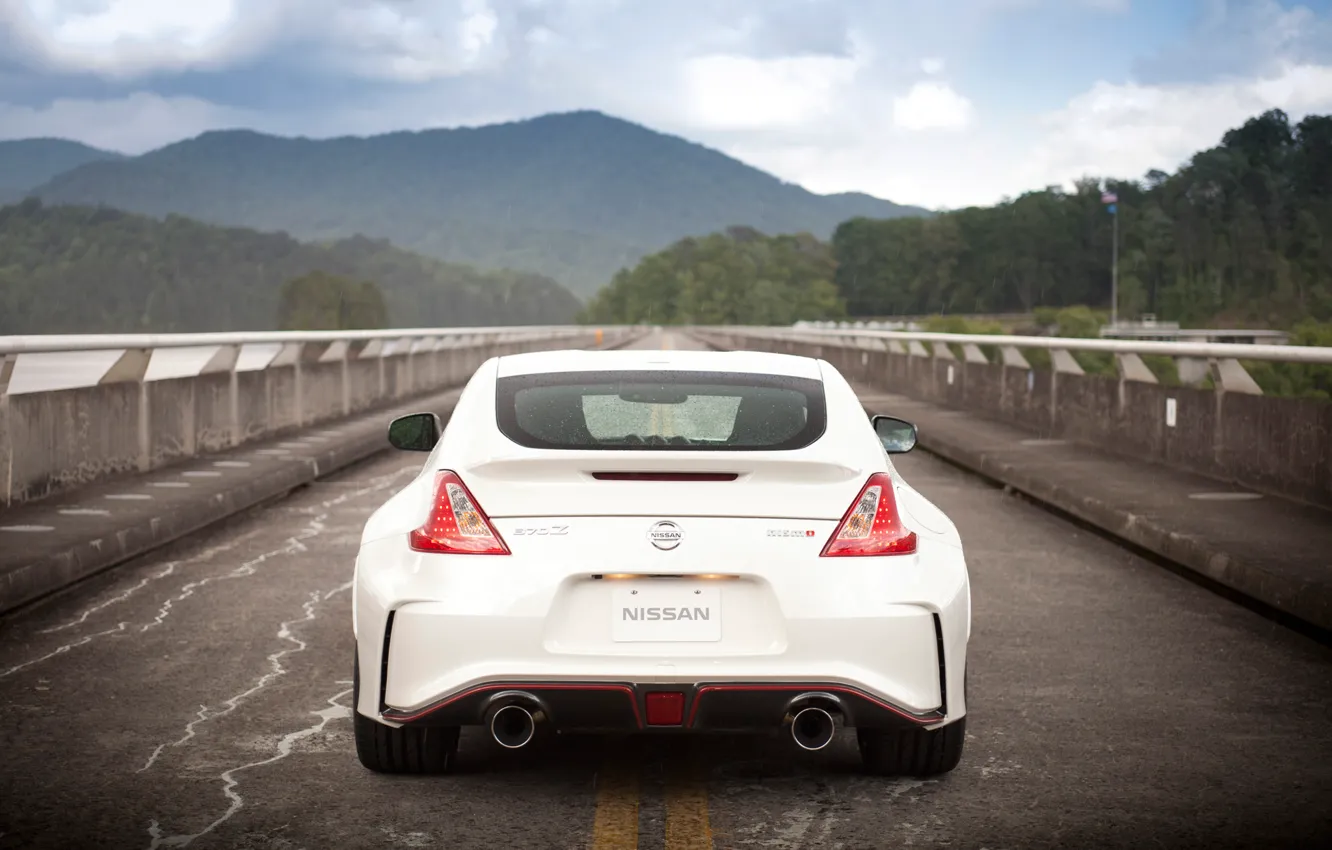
{"x": 84, "y": 270}
{"x": 319, "y": 301}
{"x": 26, "y": 163}
{"x": 740, "y": 276}
{"x": 575, "y": 196}
{"x": 1241, "y": 234}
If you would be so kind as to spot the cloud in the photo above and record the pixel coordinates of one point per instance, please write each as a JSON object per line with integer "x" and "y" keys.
{"x": 404, "y": 40}
{"x": 1097, "y": 5}
{"x": 1111, "y": 130}
{"x": 932, "y": 106}
{"x": 390, "y": 42}
{"x": 97, "y": 25}
{"x": 737, "y": 92}
{"x": 122, "y": 38}
{"x": 916, "y": 102}
{"x": 1242, "y": 38}
{"x": 130, "y": 124}
{"x": 1125, "y": 130}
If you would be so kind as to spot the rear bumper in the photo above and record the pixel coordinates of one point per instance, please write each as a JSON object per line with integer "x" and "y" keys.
{"x": 707, "y": 706}
{"x": 437, "y": 639}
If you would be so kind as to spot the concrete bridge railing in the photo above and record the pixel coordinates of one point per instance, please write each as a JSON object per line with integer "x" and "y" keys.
{"x": 1231, "y": 432}
{"x": 216, "y": 391}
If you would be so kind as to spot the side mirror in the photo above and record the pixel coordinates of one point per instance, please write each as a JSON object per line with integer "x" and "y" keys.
{"x": 896, "y": 435}
{"x": 416, "y": 432}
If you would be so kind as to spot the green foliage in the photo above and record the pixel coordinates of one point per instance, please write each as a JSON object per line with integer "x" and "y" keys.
{"x": 1297, "y": 379}
{"x": 737, "y": 277}
{"x": 1165, "y": 368}
{"x": 363, "y": 307}
{"x": 325, "y": 302}
{"x": 97, "y": 270}
{"x": 1241, "y": 234}
{"x": 1045, "y": 316}
{"x": 963, "y": 325}
{"x": 960, "y": 325}
{"x": 574, "y": 196}
{"x": 1081, "y": 322}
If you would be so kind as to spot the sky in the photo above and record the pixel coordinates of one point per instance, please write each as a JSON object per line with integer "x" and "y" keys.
{"x": 940, "y": 103}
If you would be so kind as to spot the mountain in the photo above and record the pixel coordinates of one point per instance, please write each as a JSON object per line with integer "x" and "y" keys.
{"x": 576, "y": 195}
{"x": 68, "y": 269}
{"x": 28, "y": 163}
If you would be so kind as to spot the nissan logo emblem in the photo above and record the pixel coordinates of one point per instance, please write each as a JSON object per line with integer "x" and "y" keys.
{"x": 665, "y": 535}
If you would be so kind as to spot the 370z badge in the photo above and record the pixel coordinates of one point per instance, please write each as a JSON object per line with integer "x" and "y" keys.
{"x": 665, "y": 535}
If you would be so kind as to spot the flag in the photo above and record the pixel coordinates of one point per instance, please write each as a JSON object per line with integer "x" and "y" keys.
{"x": 1109, "y": 198}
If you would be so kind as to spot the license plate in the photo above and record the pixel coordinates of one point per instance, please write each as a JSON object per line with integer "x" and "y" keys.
{"x": 667, "y": 614}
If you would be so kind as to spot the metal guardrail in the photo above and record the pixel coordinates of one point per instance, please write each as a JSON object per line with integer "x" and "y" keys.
{"x": 49, "y": 343}
{"x": 1195, "y": 361}
{"x": 223, "y": 350}
{"x": 76, "y": 409}
{"x": 913, "y": 322}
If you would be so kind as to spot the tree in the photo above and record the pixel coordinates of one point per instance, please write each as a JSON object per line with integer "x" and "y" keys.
{"x": 323, "y": 302}
{"x": 67, "y": 269}
{"x": 737, "y": 277}
{"x": 363, "y": 307}
{"x": 1242, "y": 233}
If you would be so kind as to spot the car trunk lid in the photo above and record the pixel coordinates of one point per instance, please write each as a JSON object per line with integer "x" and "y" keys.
{"x": 655, "y": 483}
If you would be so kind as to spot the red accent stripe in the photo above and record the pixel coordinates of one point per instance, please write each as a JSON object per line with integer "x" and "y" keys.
{"x": 665, "y": 476}
{"x": 914, "y": 718}
{"x": 392, "y": 714}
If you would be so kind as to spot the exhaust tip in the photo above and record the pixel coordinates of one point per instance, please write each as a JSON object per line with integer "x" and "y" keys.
{"x": 812, "y": 728}
{"x": 512, "y": 727}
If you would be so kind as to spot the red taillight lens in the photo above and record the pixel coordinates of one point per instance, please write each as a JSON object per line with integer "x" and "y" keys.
{"x": 871, "y": 526}
{"x": 456, "y": 525}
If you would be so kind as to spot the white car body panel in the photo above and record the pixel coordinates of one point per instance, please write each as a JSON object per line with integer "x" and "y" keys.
{"x": 538, "y": 614}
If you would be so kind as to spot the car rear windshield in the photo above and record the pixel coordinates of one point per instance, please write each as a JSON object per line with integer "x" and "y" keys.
{"x": 668, "y": 410}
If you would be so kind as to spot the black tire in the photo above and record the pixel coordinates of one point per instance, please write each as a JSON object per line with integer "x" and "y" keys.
{"x": 402, "y": 749}
{"x": 919, "y": 753}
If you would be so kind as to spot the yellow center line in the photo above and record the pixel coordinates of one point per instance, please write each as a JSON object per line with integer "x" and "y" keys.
{"x": 615, "y": 825}
{"x": 687, "y": 826}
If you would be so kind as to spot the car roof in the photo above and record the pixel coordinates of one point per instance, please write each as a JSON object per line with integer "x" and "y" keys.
{"x": 753, "y": 362}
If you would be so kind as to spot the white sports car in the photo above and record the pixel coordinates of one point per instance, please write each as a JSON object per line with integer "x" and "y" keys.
{"x": 660, "y": 541}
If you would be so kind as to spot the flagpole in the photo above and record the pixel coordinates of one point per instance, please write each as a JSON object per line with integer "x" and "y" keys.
{"x": 1114, "y": 271}
{"x": 1111, "y": 201}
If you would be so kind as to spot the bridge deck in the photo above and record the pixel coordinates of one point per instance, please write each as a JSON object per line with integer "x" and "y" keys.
{"x": 202, "y": 690}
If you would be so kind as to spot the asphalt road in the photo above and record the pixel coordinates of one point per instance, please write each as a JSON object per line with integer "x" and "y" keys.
{"x": 199, "y": 697}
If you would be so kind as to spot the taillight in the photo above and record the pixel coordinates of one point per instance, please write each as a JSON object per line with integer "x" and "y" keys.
{"x": 871, "y": 526}
{"x": 456, "y": 525}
